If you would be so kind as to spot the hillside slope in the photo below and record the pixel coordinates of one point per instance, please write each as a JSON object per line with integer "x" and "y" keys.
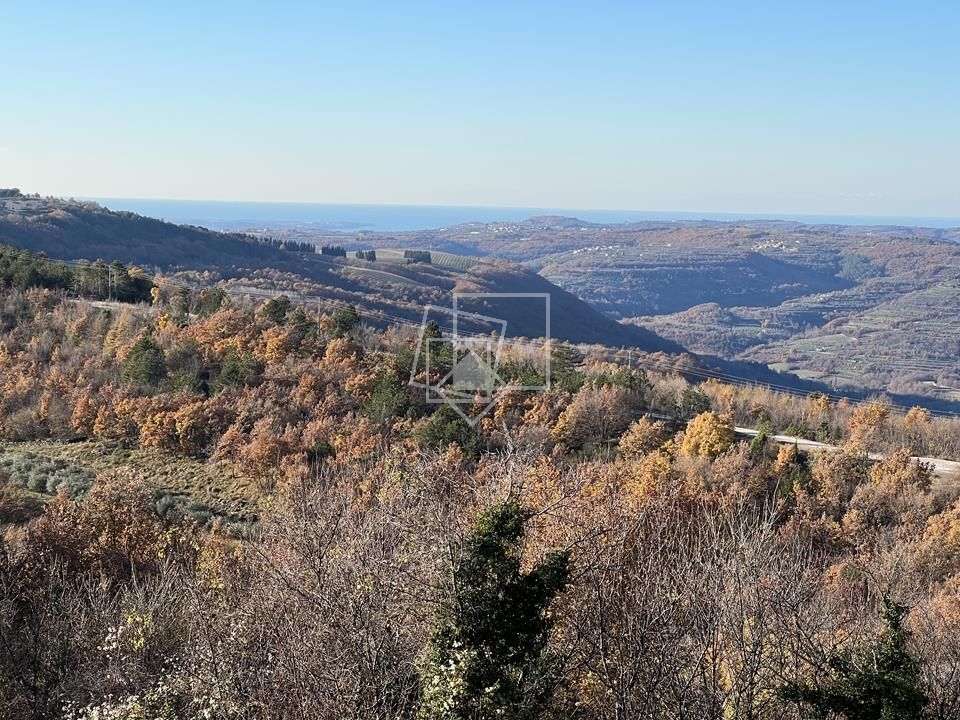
{"x": 866, "y": 309}
{"x": 68, "y": 230}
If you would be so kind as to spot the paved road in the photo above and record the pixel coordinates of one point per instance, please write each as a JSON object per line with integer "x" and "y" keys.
{"x": 945, "y": 469}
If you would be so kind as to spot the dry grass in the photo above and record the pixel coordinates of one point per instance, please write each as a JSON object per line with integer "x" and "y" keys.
{"x": 217, "y": 485}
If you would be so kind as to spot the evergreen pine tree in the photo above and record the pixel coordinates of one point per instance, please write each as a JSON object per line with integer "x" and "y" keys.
{"x": 145, "y": 364}
{"x": 489, "y": 656}
{"x": 878, "y": 682}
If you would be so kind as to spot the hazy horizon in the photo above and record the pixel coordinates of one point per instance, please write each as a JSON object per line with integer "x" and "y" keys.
{"x": 825, "y": 109}
{"x": 386, "y": 217}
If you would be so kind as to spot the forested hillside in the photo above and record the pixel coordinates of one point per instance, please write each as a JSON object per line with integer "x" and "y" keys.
{"x": 70, "y": 230}
{"x": 345, "y": 417}
{"x": 214, "y": 509}
{"x": 865, "y": 309}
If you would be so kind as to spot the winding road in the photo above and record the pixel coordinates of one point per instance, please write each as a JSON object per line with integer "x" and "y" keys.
{"x": 943, "y": 469}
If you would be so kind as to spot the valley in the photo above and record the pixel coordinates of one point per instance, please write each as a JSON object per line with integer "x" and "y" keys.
{"x": 861, "y": 309}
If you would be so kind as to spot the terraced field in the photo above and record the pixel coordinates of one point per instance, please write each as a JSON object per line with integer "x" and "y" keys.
{"x": 909, "y": 343}
{"x": 448, "y": 261}
{"x": 461, "y": 263}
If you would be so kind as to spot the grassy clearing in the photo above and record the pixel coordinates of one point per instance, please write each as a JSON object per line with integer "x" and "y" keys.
{"x": 201, "y": 490}
{"x": 390, "y": 256}
{"x": 388, "y": 276}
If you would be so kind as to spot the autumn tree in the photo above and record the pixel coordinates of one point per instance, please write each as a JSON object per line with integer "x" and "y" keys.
{"x": 917, "y": 417}
{"x": 896, "y": 498}
{"x": 114, "y": 531}
{"x": 866, "y": 424}
{"x": 596, "y": 416}
{"x": 708, "y": 434}
{"x": 916, "y": 425}
{"x": 935, "y": 623}
{"x": 643, "y": 436}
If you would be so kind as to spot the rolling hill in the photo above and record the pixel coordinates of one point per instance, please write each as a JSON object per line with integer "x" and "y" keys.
{"x": 812, "y": 308}
{"x": 69, "y": 230}
{"x": 865, "y": 309}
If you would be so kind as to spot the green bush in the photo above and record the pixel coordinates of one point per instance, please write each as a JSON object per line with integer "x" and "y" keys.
{"x": 211, "y": 300}
{"x": 275, "y": 310}
{"x": 145, "y": 365}
{"x": 45, "y": 476}
{"x": 446, "y": 426}
{"x": 345, "y": 319}
{"x": 238, "y": 371}
{"x": 321, "y": 449}
{"x": 692, "y": 402}
{"x": 387, "y": 397}
{"x": 878, "y": 681}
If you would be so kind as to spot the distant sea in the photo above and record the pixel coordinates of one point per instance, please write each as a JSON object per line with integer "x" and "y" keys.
{"x": 398, "y": 218}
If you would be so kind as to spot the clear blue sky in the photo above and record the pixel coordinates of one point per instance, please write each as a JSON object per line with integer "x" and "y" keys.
{"x": 801, "y": 107}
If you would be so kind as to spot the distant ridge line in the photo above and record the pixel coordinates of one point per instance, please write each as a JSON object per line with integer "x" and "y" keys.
{"x": 340, "y": 217}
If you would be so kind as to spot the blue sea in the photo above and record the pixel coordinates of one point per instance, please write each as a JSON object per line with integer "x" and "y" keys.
{"x": 222, "y": 215}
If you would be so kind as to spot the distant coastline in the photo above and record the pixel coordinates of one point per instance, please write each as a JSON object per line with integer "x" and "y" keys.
{"x": 224, "y": 215}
